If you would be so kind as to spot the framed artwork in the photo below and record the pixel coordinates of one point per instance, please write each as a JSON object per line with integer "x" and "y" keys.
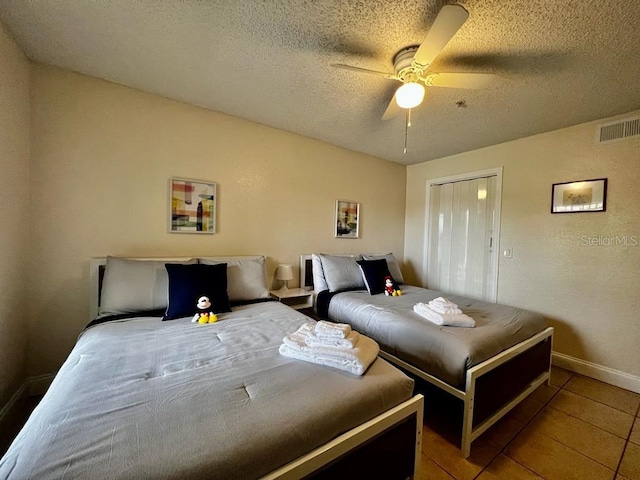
{"x": 581, "y": 196}
{"x": 347, "y": 219}
{"x": 192, "y": 206}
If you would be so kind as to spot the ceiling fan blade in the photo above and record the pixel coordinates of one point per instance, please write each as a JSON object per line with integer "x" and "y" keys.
{"x": 475, "y": 81}
{"x": 393, "y": 110}
{"x": 390, "y": 76}
{"x": 447, "y": 23}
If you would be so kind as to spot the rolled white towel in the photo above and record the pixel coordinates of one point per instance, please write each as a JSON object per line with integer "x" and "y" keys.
{"x": 461, "y": 320}
{"x": 312, "y": 339}
{"x": 330, "y": 329}
{"x": 355, "y": 360}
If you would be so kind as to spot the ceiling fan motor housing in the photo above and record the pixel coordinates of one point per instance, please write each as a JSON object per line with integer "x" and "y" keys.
{"x": 403, "y": 63}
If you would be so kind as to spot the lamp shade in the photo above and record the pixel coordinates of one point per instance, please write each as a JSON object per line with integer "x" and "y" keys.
{"x": 410, "y": 95}
{"x": 284, "y": 272}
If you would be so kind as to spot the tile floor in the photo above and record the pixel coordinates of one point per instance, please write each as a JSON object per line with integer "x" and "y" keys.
{"x": 577, "y": 428}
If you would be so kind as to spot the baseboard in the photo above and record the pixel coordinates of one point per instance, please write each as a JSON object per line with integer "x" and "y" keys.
{"x": 39, "y": 384}
{"x": 598, "y": 372}
{"x": 20, "y": 393}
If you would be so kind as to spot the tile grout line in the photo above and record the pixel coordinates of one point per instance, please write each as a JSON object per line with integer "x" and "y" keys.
{"x": 604, "y": 404}
{"x": 440, "y": 466}
{"x": 601, "y": 403}
{"x": 583, "y": 454}
{"x": 624, "y": 450}
{"x": 588, "y": 422}
{"x": 598, "y": 401}
{"x": 615, "y": 471}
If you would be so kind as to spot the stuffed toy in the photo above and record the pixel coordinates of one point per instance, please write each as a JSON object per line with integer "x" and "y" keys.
{"x": 203, "y": 316}
{"x": 391, "y": 287}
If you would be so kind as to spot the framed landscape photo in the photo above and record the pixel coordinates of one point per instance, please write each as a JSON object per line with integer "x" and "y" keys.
{"x": 192, "y": 206}
{"x": 580, "y": 196}
{"x": 347, "y": 219}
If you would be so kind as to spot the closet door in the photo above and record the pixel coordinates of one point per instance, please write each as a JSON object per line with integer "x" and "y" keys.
{"x": 460, "y": 253}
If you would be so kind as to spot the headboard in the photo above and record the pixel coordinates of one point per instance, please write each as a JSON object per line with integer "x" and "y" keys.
{"x": 306, "y": 272}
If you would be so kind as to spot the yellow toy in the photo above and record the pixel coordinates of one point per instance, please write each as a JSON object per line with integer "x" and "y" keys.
{"x": 203, "y": 316}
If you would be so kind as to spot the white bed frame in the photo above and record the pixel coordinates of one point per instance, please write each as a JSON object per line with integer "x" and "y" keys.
{"x": 333, "y": 450}
{"x": 469, "y": 433}
{"x": 351, "y": 440}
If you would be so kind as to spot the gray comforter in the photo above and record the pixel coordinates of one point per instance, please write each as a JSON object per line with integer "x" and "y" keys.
{"x": 148, "y": 399}
{"x": 444, "y": 352}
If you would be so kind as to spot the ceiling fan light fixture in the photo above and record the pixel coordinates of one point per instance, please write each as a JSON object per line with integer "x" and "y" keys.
{"x": 410, "y": 95}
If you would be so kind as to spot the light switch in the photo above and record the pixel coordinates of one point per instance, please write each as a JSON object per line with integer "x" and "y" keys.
{"x": 508, "y": 253}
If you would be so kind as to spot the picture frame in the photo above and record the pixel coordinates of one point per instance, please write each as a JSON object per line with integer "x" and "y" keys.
{"x": 192, "y": 206}
{"x": 579, "y": 196}
{"x": 347, "y": 219}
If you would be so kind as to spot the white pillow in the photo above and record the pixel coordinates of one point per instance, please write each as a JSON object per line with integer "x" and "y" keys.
{"x": 341, "y": 272}
{"x": 246, "y": 277}
{"x": 319, "y": 282}
{"x": 132, "y": 285}
{"x": 392, "y": 263}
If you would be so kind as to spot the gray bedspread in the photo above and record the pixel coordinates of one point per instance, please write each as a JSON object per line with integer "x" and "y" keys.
{"x": 144, "y": 398}
{"x": 444, "y": 352}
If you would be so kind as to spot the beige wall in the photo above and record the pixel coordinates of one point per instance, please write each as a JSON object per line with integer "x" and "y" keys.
{"x": 101, "y": 158}
{"x": 590, "y": 294}
{"x": 14, "y": 210}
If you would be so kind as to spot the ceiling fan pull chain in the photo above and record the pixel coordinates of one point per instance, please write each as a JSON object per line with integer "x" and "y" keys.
{"x": 406, "y": 129}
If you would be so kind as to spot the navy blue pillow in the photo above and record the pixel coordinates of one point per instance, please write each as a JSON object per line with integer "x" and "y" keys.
{"x": 374, "y": 273}
{"x": 187, "y": 283}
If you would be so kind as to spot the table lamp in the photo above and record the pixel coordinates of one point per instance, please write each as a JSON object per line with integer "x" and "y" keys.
{"x": 284, "y": 272}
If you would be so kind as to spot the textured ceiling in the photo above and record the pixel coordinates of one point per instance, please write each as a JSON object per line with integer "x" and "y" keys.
{"x": 559, "y": 63}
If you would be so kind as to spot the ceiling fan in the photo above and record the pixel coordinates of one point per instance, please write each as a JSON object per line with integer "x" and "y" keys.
{"x": 410, "y": 64}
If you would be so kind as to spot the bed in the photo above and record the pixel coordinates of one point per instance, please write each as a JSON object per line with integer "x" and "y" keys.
{"x": 490, "y": 368}
{"x": 139, "y": 397}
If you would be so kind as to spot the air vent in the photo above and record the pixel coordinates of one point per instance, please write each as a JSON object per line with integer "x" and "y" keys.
{"x": 618, "y": 130}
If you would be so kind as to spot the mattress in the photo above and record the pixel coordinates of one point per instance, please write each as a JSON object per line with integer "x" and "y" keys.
{"x": 142, "y": 398}
{"x": 444, "y": 352}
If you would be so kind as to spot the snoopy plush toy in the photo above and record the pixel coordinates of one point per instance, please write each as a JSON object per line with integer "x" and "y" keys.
{"x": 203, "y": 316}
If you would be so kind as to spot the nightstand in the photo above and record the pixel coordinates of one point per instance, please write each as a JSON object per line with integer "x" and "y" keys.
{"x": 297, "y": 298}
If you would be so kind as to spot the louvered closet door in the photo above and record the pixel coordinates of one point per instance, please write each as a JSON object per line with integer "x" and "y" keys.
{"x": 462, "y": 218}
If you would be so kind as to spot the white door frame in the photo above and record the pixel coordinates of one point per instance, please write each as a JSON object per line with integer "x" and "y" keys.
{"x": 497, "y": 172}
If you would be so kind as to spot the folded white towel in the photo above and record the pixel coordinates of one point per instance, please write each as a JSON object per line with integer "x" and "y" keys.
{"x": 354, "y": 360}
{"x": 445, "y": 310}
{"x": 330, "y": 329}
{"x": 298, "y": 337}
{"x": 443, "y": 301}
{"x": 428, "y": 313}
{"x": 313, "y": 339}
{"x": 444, "y": 306}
